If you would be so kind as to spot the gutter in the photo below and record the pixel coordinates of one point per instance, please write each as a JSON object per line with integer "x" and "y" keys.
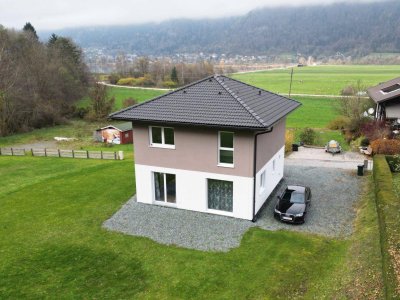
{"x": 255, "y": 169}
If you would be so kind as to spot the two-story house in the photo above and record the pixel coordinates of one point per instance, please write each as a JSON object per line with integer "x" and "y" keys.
{"x": 214, "y": 146}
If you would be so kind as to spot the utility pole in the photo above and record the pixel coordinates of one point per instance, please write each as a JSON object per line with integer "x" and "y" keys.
{"x": 291, "y": 80}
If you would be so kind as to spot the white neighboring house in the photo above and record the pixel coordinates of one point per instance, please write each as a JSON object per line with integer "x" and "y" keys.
{"x": 214, "y": 146}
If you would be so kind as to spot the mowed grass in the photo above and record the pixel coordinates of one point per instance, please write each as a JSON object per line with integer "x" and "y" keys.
{"x": 314, "y": 112}
{"x": 121, "y": 93}
{"x": 53, "y": 244}
{"x": 320, "y": 80}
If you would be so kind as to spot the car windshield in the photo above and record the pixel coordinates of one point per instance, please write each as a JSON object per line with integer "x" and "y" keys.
{"x": 297, "y": 197}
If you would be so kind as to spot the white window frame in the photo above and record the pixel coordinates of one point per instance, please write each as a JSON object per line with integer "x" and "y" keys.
{"x": 262, "y": 181}
{"x": 220, "y": 164}
{"x": 162, "y": 145}
{"x": 164, "y": 202}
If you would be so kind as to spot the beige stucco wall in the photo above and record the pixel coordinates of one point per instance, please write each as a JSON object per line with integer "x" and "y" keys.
{"x": 270, "y": 143}
{"x": 196, "y": 149}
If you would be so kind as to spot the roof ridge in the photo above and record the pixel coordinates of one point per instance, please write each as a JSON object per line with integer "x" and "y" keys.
{"x": 237, "y": 98}
{"x": 163, "y": 95}
{"x": 256, "y": 87}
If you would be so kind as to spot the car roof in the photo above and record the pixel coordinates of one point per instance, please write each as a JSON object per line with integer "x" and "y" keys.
{"x": 297, "y": 188}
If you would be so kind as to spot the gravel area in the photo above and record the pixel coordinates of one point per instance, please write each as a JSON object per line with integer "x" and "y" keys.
{"x": 334, "y": 192}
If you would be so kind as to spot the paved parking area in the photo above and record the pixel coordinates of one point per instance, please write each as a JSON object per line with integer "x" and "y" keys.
{"x": 317, "y": 157}
{"x": 334, "y": 192}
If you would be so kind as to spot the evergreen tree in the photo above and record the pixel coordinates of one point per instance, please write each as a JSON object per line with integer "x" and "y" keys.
{"x": 174, "y": 75}
{"x": 28, "y": 27}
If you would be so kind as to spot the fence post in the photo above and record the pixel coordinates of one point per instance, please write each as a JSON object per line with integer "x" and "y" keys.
{"x": 87, "y": 153}
{"x": 24, "y": 152}
{"x": 32, "y": 152}
{"x": 45, "y": 152}
{"x": 0, "y": 151}
{"x": 73, "y": 153}
{"x": 59, "y": 154}
{"x": 101, "y": 154}
{"x": 115, "y": 155}
{"x": 12, "y": 152}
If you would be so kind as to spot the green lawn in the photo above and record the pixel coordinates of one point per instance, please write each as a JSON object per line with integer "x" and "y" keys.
{"x": 314, "y": 113}
{"x": 121, "y": 93}
{"x": 53, "y": 245}
{"x": 319, "y": 80}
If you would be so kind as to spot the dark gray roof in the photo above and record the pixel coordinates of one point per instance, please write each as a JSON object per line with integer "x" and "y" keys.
{"x": 217, "y": 101}
{"x": 385, "y": 91}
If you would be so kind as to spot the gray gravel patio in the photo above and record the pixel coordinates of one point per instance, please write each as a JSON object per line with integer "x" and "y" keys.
{"x": 334, "y": 191}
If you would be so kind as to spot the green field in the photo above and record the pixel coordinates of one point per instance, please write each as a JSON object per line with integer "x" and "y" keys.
{"x": 53, "y": 246}
{"x": 121, "y": 93}
{"x": 319, "y": 80}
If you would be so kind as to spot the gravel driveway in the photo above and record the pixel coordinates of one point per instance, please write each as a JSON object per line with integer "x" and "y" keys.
{"x": 334, "y": 192}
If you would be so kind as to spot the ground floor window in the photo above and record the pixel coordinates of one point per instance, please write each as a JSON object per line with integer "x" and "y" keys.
{"x": 220, "y": 195}
{"x": 164, "y": 187}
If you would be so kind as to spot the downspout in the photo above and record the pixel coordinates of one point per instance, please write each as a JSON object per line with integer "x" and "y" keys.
{"x": 255, "y": 169}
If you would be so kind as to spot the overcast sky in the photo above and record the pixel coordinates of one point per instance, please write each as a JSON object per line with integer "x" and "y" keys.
{"x": 56, "y": 14}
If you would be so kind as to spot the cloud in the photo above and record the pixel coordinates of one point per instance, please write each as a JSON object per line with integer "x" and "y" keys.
{"x": 56, "y": 14}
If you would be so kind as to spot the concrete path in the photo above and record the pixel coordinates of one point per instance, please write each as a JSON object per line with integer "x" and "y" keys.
{"x": 133, "y": 87}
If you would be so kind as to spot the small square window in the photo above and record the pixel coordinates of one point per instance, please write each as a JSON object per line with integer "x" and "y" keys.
{"x": 162, "y": 137}
{"x": 226, "y": 139}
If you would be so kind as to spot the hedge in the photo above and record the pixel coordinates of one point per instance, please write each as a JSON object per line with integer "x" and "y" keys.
{"x": 388, "y": 207}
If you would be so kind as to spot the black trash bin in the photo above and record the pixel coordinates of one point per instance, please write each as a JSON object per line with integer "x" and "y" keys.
{"x": 360, "y": 170}
{"x": 295, "y": 147}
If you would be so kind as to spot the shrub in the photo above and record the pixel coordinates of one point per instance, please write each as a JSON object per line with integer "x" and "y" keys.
{"x": 340, "y": 123}
{"x": 129, "y": 102}
{"x": 394, "y": 163}
{"x": 308, "y": 135}
{"x": 374, "y": 130}
{"x": 348, "y": 91}
{"x": 289, "y": 138}
{"x": 169, "y": 84}
{"x": 127, "y": 81}
{"x": 114, "y": 78}
{"x": 385, "y": 146}
{"x": 364, "y": 142}
{"x": 388, "y": 207}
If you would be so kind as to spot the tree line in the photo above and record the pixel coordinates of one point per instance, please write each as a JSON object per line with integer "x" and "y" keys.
{"x": 39, "y": 81}
{"x": 162, "y": 73}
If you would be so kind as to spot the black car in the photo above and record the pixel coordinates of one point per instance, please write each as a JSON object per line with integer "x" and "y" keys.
{"x": 293, "y": 204}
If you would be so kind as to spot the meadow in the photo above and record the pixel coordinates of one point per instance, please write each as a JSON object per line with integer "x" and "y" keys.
{"x": 319, "y": 80}
{"x": 53, "y": 245}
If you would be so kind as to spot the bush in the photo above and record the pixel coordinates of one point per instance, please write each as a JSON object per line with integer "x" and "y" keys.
{"x": 385, "y": 146}
{"x": 308, "y": 135}
{"x": 127, "y": 81}
{"x": 364, "y": 142}
{"x": 129, "y": 102}
{"x": 348, "y": 91}
{"x": 114, "y": 78}
{"x": 374, "y": 130}
{"x": 169, "y": 84}
{"x": 339, "y": 123}
{"x": 289, "y": 138}
{"x": 388, "y": 207}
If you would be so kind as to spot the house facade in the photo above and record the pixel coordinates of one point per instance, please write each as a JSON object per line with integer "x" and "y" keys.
{"x": 205, "y": 148}
{"x": 387, "y": 98}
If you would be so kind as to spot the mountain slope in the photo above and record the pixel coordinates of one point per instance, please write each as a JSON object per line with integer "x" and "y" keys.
{"x": 353, "y": 29}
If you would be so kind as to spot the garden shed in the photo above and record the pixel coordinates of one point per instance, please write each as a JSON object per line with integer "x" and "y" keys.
{"x": 116, "y": 134}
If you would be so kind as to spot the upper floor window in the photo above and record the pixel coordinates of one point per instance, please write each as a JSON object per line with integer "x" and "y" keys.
{"x": 225, "y": 149}
{"x": 162, "y": 137}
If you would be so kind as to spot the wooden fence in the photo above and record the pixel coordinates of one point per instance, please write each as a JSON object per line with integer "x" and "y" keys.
{"x": 85, "y": 154}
